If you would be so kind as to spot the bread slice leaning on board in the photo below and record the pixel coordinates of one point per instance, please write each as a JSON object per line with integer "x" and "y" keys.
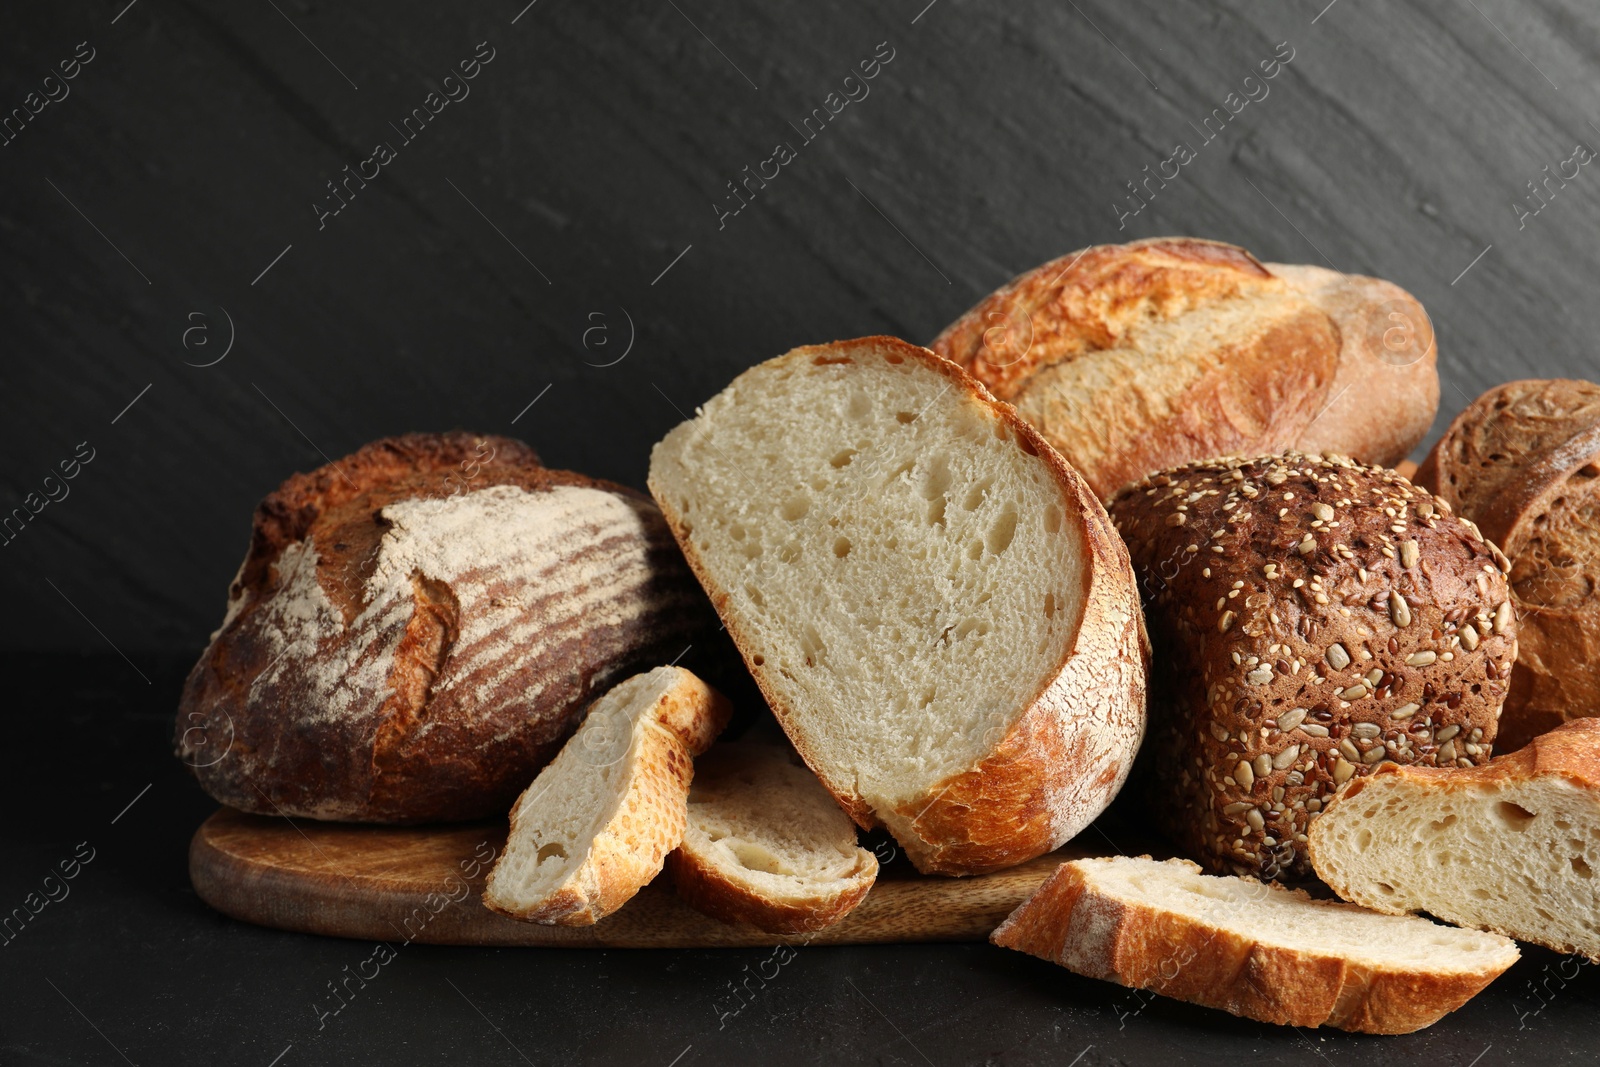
{"x": 933, "y": 603}
{"x": 1252, "y": 949}
{"x": 1523, "y": 462}
{"x": 1512, "y": 847}
{"x": 598, "y": 822}
{"x": 766, "y": 845}
{"x": 1138, "y": 357}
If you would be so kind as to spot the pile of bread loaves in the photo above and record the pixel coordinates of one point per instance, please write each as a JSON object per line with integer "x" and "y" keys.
{"x": 1155, "y": 474}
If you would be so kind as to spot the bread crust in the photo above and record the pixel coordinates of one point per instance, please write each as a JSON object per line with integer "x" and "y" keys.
{"x": 1145, "y": 947}
{"x": 434, "y": 737}
{"x": 1316, "y": 627}
{"x": 1066, "y": 756}
{"x": 1570, "y": 752}
{"x": 1138, "y": 357}
{"x": 1386, "y": 392}
{"x": 1523, "y": 461}
{"x": 705, "y": 885}
{"x": 632, "y": 847}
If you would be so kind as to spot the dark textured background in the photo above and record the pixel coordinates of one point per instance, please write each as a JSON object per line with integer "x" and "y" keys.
{"x": 457, "y": 287}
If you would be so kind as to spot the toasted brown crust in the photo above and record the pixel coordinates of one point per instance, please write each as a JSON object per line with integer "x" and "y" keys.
{"x": 632, "y": 847}
{"x": 1065, "y": 757}
{"x": 1386, "y": 392}
{"x": 1139, "y": 357}
{"x": 1144, "y": 947}
{"x": 1347, "y": 652}
{"x": 1523, "y": 461}
{"x": 1570, "y": 751}
{"x": 413, "y": 748}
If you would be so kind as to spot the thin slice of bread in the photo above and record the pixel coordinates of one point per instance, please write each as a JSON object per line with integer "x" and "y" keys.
{"x": 766, "y": 844}
{"x": 1252, "y": 949}
{"x": 1512, "y": 846}
{"x": 598, "y": 822}
{"x": 934, "y": 604}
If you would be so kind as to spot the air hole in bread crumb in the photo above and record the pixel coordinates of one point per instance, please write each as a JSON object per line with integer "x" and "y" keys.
{"x": 894, "y": 357}
{"x": 1439, "y": 825}
{"x": 841, "y": 547}
{"x": 975, "y": 550}
{"x": 1513, "y": 816}
{"x": 1363, "y": 840}
{"x": 1052, "y": 519}
{"x": 554, "y": 848}
{"x": 796, "y": 507}
{"x": 1003, "y": 530}
{"x": 860, "y": 407}
{"x": 1482, "y": 893}
{"x": 1025, "y": 443}
{"x": 1581, "y": 868}
{"x": 843, "y": 458}
{"x": 755, "y": 858}
{"x": 975, "y": 495}
{"x": 758, "y": 659}
{"x": 1049, "y": 605}
{"x": 1384, "y": 887}
{"x": 905, "y": 416}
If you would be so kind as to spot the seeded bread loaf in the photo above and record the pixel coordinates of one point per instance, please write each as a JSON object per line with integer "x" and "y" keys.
{"x": 1134, "y": 358}
{"x": 598, "y": 823}
{"x": 1523, "y": 461}
{"x": 1254, "y": 950}
{"x": 1511, "y": 846}
{"x": 1310, "y": 618}
{"x": 417, "y": 628}
{"x": 935, "y": 606}
{"x": 766, "y": 845}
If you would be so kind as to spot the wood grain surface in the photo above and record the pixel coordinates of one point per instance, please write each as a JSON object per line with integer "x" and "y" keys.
{"x": 423, "y": 884}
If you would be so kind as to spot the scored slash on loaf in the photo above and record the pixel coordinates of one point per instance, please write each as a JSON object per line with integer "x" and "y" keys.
{"x": 416, "y": 629}
{"x": 1134, "y": 358}
{"x": 934, "y": 605}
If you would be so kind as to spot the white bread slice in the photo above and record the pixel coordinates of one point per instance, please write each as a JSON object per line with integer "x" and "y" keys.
{"x": 1252, "y": 949}
{"x": 1512, "y": 846}
{"x": 598, "y": 822}
{"x": 937, "y": 609}
{"x": 766, "y": 845}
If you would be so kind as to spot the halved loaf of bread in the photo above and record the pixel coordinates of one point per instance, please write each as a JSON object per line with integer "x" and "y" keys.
{"x": 933, "y": 603}
{"x": 766, "y": 844}
{"x": 598, "y": 822}
{"x": 1250, "y": 948}
{"x": 1512, "y": 846}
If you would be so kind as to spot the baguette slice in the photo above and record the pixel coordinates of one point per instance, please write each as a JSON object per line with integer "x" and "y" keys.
{"x": 1512, "y": 846}
{"x": 766, "y": 845}
{"x": 1252, "y": 949}
{"x": 936, "y": 608}
{"x": 598, "y": 822}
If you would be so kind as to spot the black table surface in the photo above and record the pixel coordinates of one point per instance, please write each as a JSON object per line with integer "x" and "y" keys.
{"x": 554, "y": 253}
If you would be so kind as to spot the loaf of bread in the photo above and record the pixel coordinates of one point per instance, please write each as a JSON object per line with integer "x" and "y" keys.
{"x": 1310, "y": 618}
{"x": 766, "y": 845}
{"x": 1511, "y": 847}
{"x": 598, "y": 823}
{"x": 1523, "y": 462}
{"x": 937, "y": 609}
{"x": 1254, "y": 950}
{"x": 1134, "y": 358}
{"x": 417, "y": 628}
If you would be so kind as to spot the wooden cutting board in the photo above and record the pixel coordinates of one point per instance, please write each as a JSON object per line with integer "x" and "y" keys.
{"x": 401, "y": 884}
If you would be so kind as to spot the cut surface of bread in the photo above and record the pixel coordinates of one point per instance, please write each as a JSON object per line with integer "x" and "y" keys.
{"x": 1513, "y": 846}
{"x": 598, "y": 822}
{"x": 1252, "y": 949}
{"x": 934, "y": 605}
{"x": 767, "y": 845}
